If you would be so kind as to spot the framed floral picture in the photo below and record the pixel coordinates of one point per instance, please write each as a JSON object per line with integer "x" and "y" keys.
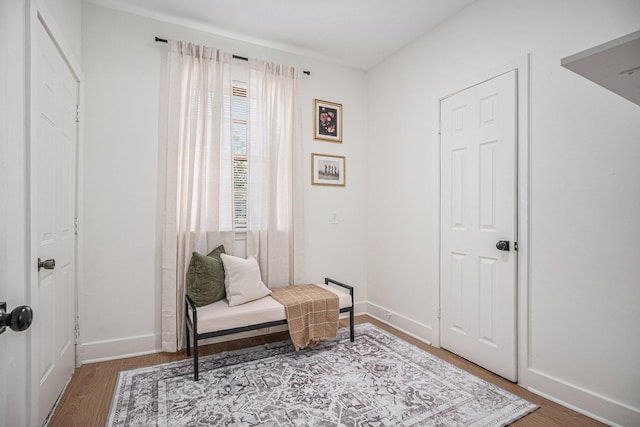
{"x": 327, "y": 170}
{"x": 327, "y": 121}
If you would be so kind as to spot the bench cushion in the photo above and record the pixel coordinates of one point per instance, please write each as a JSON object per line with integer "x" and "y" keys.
{"x": 219, "y": 316}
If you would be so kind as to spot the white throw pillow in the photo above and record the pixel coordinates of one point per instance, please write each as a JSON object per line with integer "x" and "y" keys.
{"x": 242, "y": 280}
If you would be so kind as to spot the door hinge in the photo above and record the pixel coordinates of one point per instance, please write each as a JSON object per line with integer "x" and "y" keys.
{"x": 77, "y": 114}
{"x": 77, "y": 330}
{"x": 515, "y": 246}
{"x": 76, "y": 226}
{"x": 438, "y": 312}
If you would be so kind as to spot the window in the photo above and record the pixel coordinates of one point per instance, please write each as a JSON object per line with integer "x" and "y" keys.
{"x": 240, "y": 164}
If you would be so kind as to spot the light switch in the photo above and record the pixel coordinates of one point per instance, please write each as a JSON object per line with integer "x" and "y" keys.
{"x": 334, "y": 217}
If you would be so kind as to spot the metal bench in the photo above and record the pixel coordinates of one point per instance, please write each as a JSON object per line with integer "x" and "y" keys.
{"x": 218, "y": 319}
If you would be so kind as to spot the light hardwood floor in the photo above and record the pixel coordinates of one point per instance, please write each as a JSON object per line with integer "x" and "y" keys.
{"x": 86, "y": 400}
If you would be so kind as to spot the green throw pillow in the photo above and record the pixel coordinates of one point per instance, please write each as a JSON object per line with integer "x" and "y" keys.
{"x": 216, "y": 252}
{"x": 205, "y": 278}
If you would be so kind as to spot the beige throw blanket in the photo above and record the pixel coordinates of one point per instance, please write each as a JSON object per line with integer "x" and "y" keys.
{"x": 312, "y": 313}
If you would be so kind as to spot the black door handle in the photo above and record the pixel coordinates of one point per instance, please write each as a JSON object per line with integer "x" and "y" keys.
{"x": 18, "y": 320}
{"x": 502, "y": 245}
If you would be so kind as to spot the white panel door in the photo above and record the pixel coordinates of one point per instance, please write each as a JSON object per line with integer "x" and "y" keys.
{"x": 478, "y": 209}
{"x": 53, "y": 211}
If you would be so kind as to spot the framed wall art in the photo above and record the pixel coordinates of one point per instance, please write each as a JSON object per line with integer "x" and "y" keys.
{"x": 327, "y": 121}
{"x": 328, "y": 170}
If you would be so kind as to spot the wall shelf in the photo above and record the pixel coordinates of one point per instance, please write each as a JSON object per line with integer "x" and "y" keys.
{"x": 614, "y": 65}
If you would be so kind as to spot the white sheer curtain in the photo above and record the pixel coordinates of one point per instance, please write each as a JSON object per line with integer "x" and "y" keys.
{"x": 198, "y": 198}
{"x": 199, "y": 180}
{"x": 275, "y": 205}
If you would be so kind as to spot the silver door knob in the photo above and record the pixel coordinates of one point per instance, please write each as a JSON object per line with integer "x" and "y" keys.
{"x": 47, "y": 264}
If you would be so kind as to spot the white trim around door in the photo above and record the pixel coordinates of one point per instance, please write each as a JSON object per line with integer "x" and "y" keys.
{"x": 521, "y": 65}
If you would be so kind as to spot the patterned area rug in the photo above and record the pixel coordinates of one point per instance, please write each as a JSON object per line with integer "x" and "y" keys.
{"x": 380, "y": 380}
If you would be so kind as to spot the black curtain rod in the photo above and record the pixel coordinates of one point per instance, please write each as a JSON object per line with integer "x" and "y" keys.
{"x": 242, "y": 58}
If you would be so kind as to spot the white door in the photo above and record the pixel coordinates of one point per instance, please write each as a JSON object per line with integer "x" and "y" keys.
{"x": 478, "y": 209}
{"x": 53, "y": 211}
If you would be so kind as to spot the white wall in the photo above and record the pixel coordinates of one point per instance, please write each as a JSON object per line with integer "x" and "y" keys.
{"x": 124, "y": 74}
{"x": 583, "y": 325}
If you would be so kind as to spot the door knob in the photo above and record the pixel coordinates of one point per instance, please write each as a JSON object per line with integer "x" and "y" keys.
{"x": 47, "y": 264}
{"x": 18, "y": 320}
{"x": 502, "y": 245}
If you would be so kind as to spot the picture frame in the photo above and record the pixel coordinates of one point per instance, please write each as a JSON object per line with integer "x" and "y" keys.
{"x": 327, "y": 169}
{"x": 327, "y": 121}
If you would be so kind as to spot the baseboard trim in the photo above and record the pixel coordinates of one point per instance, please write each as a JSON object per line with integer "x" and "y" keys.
{"x": 360, "y": 308}
{"x": 582, "y": 400}
{"x": 102, "y": 351}
{"x": 415, "y": 329}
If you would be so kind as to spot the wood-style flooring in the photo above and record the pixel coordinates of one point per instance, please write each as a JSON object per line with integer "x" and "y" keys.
{"x": 86, "y": 401}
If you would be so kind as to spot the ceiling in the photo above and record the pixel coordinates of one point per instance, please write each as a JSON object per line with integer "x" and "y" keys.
{"x": 354, "y": 33}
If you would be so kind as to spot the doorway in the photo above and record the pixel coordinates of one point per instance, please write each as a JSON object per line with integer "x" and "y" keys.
{"x": 54, "y": 143}
{"x": 479, "y": 224}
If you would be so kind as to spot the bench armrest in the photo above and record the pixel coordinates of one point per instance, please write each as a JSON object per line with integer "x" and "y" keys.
{"x": 342, "y": 285}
